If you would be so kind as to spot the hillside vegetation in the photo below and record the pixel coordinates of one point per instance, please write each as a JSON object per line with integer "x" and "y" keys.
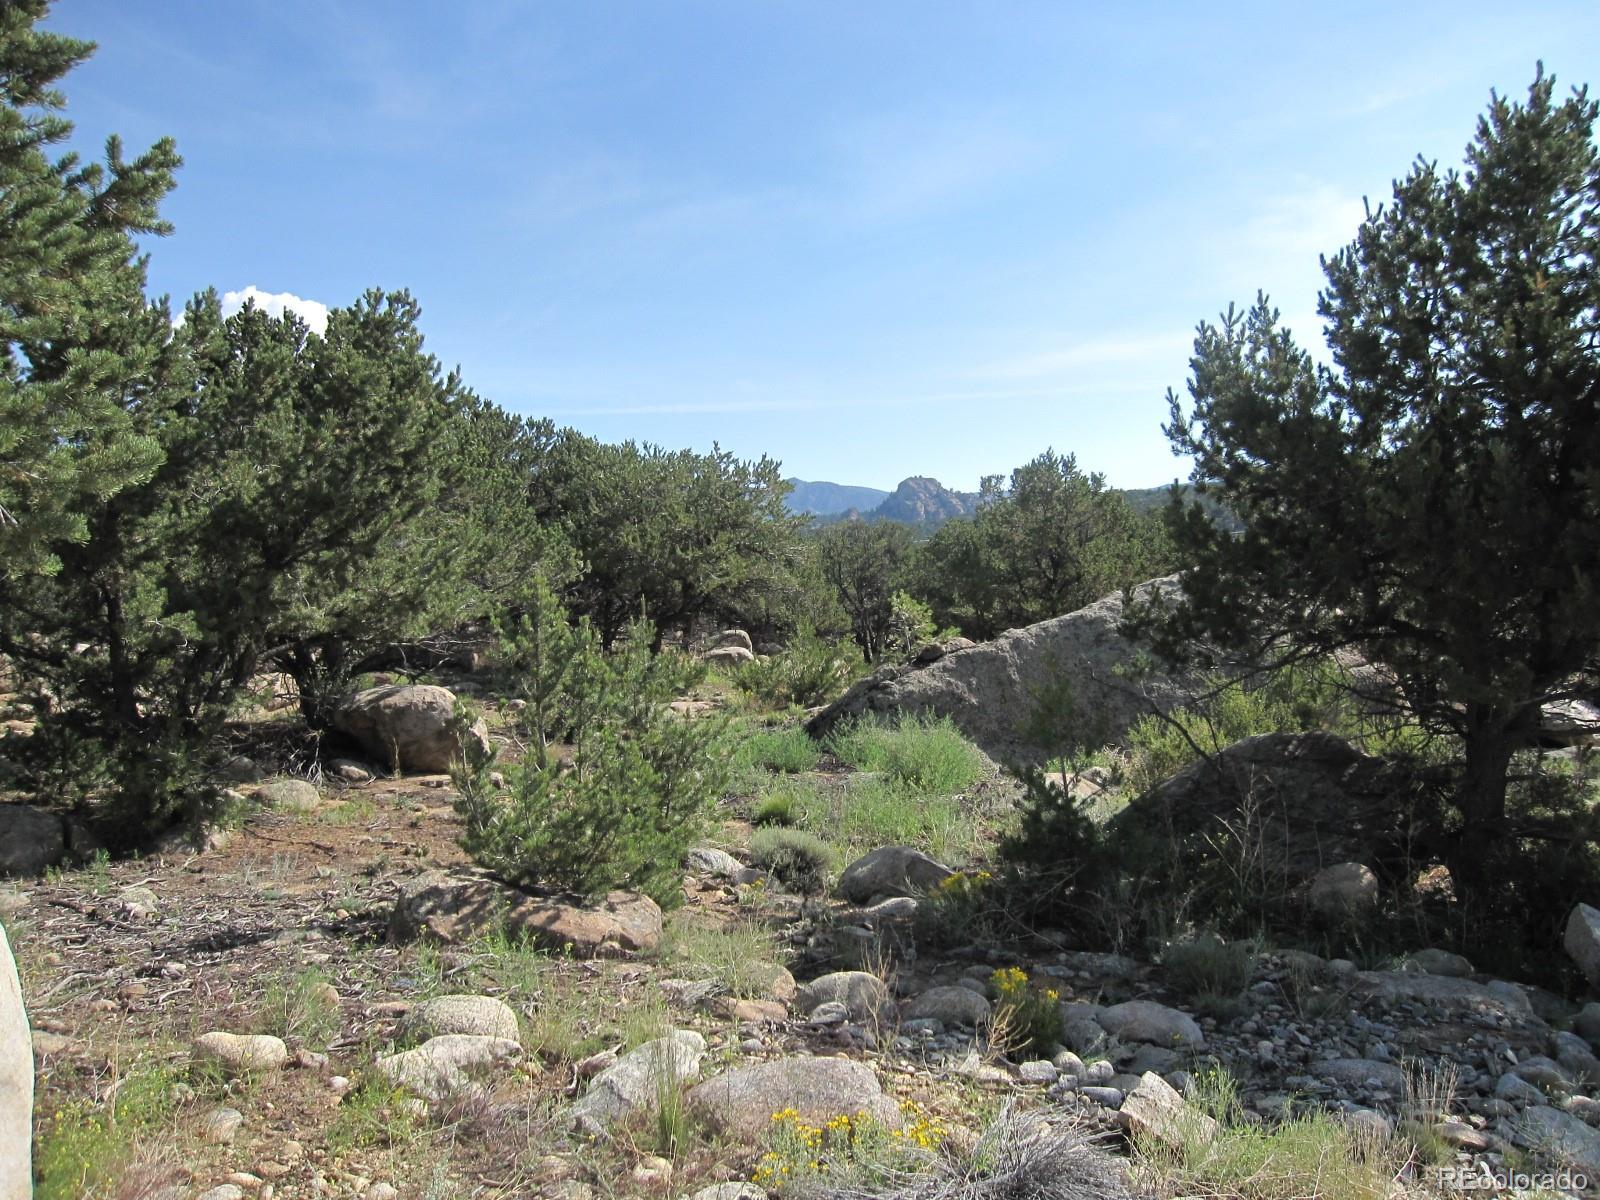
{"x": 404, "y": 797}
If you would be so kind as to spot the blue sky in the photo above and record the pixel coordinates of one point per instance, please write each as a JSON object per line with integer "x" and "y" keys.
{"x": 871, "y": 240}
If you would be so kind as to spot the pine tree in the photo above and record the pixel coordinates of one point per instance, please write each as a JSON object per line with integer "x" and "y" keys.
{"x": 75, "y": 330}
{"x": 1432, "y": 499}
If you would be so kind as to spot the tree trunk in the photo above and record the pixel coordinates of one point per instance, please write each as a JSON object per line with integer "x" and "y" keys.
{"x": 1480, "y": 849}
{"x": 125, "y": 699}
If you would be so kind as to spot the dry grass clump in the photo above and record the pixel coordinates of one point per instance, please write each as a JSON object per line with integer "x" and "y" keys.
{"x": 1020, "y": 1156}
{"x": 1318, "y": 1156}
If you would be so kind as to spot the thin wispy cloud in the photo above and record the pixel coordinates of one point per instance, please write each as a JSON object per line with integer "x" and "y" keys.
{"x": 901, "y": 166}
{"x": 1285, "y": 233}
{"x": 826, "y": 399}
{"x": 1082, "y": 356}
{"x": 681, "y": 408}
{"x": 878, "y": 169}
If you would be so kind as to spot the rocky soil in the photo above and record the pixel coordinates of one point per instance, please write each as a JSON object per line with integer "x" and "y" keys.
{"x": 325, "y": 1001}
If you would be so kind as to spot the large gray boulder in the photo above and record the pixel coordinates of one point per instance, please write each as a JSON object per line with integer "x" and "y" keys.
{"x": 16, "y": 1083}
{"x": 991, "y": 690}
{"x": 1310, "y": 800}
{"x": 31, "y": 840}
{"x": 1445, "y": 993}
{"x": 1570, "y": 723}
{"x": 1560, "y": 1138}
{"x": 407, "y": 726}
{"x": 741, "y": 1103}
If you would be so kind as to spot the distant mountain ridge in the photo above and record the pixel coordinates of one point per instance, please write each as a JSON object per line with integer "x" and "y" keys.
{"x": 825, "y": 499}
{"x": 926, "y": 502}
{"x": 918, "y": 500}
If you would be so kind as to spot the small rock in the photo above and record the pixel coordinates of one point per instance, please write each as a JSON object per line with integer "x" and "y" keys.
{"x": 221, "y": 1125}
{"x": 483, "y": 1016}
{"x": 707, "y": 860}
{"x": 1543, "y": 1073}
{"x": 1159, "y": 1059}
{"x": 1363, "y": 1074}
{"x": 243, "y": 1052}
{"x": 742, "y": 1101}
{"x": 223, "y": 1191}
{"x": 750, "y": 1012}
{"x": 730, "y": 1191}
{"x": 291, "y": 795}
{"x": 1587, "y": 1023}
{"x": 1344, "y": 890}
{"x": 652, "y": 1173}
{"x": 1434, "y": 961}
{"x": 408, "y": 727}
{"x": 862, "y": 994}
{"x": 949, "y": 1005}
{"x": 1461, "y": 1136}
{"x": 1147, "y": 1021}
{"x": 891, "y": 871}
{"x": 1369, "y": 1121}
{"x": 437, "y": 1068}
{"x": 829, "y": 1012}
{"x": 1560, "y": 1135}
{"x": 634, "y": 1083}
{"x": 1106, "y": 1097}
{"x": 1514, "y": 1088}
{"x": 1582, "y": 941}
{"x": 1038, "y": 1071}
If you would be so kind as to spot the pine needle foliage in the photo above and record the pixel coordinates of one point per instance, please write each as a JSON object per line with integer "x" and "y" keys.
{"x": 622, "y": 807}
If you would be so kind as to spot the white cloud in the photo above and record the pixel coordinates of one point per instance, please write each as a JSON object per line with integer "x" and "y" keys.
{"x": 276, "y": 304}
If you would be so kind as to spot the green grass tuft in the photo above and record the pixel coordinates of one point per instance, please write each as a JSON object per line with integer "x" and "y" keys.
{"x": 923, "y": 754}
{"x": 787, "y": 751}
